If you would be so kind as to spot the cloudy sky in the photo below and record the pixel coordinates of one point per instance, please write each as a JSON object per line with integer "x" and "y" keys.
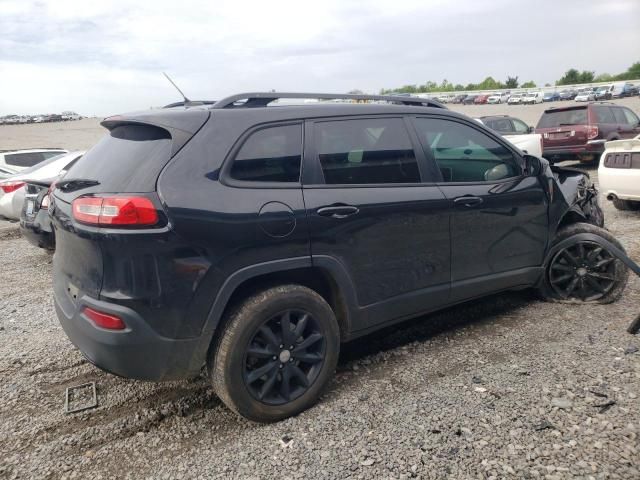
{"x": 107, "y": 57}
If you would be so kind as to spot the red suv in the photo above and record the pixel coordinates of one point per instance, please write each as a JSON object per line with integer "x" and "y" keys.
{"x": 580, "y": 131}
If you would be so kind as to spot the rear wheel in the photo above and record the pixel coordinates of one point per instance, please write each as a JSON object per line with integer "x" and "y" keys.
{"x": 625, "y": 204}
{"x": 584, "y": 271}
{"x": 277, "y": 353}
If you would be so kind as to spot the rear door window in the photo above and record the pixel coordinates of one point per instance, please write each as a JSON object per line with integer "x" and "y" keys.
{"x": 270, "y": 155}
{"x": 632, "y": 118}
{"x": 366, "y": 151}
{"x": 128, "y": 159}
{"x": 558, "y": 118}
{"x": 619, "y": 115}
{"x": 502, "y": 125}
{"x": 603, "y": 114}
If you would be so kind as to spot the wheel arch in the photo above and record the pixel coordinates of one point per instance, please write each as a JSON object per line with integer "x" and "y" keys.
{"x": 326, "y": 276}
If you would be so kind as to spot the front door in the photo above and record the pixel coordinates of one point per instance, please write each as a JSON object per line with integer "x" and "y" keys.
{"x": 499, "y": 224}
{"x": 369, "y": 209}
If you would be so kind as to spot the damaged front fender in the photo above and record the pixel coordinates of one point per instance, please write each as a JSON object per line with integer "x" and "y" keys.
{"x": 572, "y": 197}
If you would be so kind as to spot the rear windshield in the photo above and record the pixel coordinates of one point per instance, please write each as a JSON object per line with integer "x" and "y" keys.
{"x": 128, "y": 159}
{"x": 574, "y": 116}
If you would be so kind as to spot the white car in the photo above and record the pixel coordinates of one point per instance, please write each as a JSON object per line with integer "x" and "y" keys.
{"x": 516, "y": 132}
{"x": 70, "y": 116}
{"x": 532, "y": 97}
{"x": 12, "y": 189}
{"x": 499, "y": 97}
{"x": 20, "y": 159}
{"x": 585, "y": 96}
{"x": 515, "y": 99}
{"x": 619, "y": 173}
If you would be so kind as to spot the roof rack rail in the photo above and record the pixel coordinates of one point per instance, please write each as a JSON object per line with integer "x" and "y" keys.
{"x": 262, "y": 99}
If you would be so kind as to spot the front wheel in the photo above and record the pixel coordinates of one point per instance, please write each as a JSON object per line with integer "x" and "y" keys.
{"x": 277, "y": 353}
{"x": 584, "y": 271}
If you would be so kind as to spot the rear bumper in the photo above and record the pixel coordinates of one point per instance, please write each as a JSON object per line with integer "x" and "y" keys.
{"x": 621, "y": 183}
{"x": 38, "y": 230}
{"x": 136, "y": 352}
{"x": 591, "y": 148}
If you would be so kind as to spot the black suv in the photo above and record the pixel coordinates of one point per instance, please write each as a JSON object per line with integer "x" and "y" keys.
{"x": 255, "y": 238}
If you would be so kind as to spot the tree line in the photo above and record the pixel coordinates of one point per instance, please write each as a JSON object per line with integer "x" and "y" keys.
{"x": 571, "y": 76}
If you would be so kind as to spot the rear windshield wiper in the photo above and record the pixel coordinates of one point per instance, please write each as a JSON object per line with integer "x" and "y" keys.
{"x": 75, "y": 184}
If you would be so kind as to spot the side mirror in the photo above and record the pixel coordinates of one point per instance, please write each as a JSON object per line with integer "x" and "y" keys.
{"x": 532, "y": 166}
{"x": 530, "y": 129}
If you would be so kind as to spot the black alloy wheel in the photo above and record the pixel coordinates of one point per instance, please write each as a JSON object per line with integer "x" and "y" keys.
{"x": 284, "y": 357}
{"x": 583, "y": 271}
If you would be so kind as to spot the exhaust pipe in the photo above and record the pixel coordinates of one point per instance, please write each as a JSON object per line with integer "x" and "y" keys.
{"x": 611, "y": 197}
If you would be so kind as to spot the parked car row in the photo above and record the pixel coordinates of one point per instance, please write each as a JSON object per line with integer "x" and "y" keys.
{"x": 24, "y": 193}
{"x": 604, "y": 92}
{"x": 50, "y": 117}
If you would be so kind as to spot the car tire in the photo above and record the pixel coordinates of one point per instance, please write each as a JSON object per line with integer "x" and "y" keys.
{"x": 571, "y": 273}
{"x": 255, "y": 341}
{"x": 624, "y": 205}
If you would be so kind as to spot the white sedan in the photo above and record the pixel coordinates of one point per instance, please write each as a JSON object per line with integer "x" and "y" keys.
{"x": 12, "y": 189}
{"x": 619, "y": 173}
{"x": 586, "y": 96}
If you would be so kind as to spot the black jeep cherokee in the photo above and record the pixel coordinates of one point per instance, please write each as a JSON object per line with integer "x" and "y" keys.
{"x": 255, "y": 236}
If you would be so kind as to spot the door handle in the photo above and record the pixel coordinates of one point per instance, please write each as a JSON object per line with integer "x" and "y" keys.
{"x": 468, "y": 201}
{"x": 338, "y": 211}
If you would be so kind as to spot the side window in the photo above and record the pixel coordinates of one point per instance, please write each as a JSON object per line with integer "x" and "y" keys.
{"x": 366, "y": 151}
{"x": 270, "y": 155}
{"x": 464, "y": 154}
{"x": 603, "y": 114}
{"x": 619, "y": 115}
{"x": 48, "y": 155}
{"x": 632, "y": 118}
{"x": 520, "y": 126}
{"x": 24, "y": 159}
{"x": 502, "y": 125}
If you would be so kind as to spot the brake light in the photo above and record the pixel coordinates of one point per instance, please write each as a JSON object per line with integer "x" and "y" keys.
{"x": 8, "y": 187}
{"x": 127, "y": 211}
{"x": 104, "y": 320}
{"x": 44, "y": 204}
{"x": 592, "y": 132}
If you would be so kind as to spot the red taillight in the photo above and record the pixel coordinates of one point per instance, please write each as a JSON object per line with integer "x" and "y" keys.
{"x": 131, "y": 211}
{"x": 592, "y": 132}
{"x": 8, "y": 187}
{"x": 104, "y": 320}
{"x": 44, "y": 203}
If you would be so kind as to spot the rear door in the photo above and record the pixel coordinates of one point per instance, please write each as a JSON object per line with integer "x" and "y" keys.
{"x": 372, "y": 207}
{"x": 627, "y": 122}
{"x": 499, "y": 225}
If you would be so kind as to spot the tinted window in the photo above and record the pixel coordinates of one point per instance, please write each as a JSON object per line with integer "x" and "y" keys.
{"x": 574, "y": 116}
{"x": 632, "y": 119}
{"x": 502, "y": 125}
{"x": 520, "y": 126}
{"x": 128, "y": 159}
{"x": 366, "y": 151}
{"x": 603, "y": 114}
{"x": 24, "y": 159}
{"x": 464, "y": 154}
{"x": 270, "y": 155}
{"x": 619, "y": 115}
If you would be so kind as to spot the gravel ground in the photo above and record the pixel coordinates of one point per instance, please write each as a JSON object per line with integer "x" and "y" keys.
{"x": 505, "y": 387}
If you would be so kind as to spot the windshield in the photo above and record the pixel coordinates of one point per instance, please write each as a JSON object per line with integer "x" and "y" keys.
{"x": 575, "y": 116}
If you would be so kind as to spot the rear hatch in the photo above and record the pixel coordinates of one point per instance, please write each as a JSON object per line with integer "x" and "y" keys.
{"x": 125, "y": 163}
{"x": 565, "y": 127}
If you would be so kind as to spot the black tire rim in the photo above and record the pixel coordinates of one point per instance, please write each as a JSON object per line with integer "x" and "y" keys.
{"x": 584, "y": 271}
{"x": 284, "y": 357}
